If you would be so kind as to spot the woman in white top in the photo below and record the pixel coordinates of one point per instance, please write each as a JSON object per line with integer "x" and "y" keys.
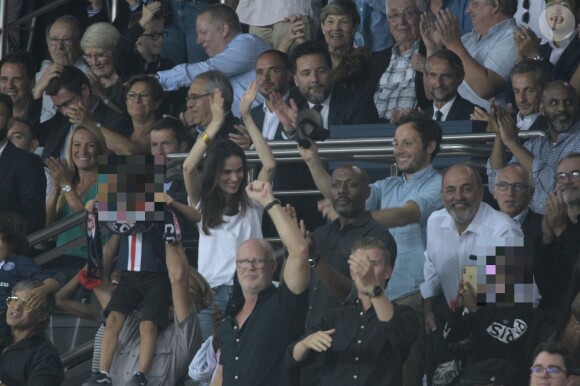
{"x": 225, "y": 215}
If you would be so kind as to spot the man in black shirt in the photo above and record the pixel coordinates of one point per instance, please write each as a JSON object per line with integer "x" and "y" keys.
{"x": 262, "y": 320}
{"x": 367, "y": 341}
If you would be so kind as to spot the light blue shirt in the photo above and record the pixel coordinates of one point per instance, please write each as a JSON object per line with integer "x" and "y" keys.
{"x": 236, "y": 61}
{"x": 373, "y": 31}
{"x": 424, "y": 188}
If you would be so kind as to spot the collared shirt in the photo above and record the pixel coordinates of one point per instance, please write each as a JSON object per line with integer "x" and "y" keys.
{"x": 325, "y": 110}
{"x": 448, "y": 251}
{"x": 365, "y": 351}
{"x": 396, "y": 88}
{"x": 521, "y": 217}
{"x": 254, "y": 353}
{"x": 271, "y": 122}
{"x": 496, "y": 52}
{"x": 444, "y": 110}
{"x": 526, "y": 122}
{"x": 237, "y": 62}
{"x": 423, "y": 188}
{"x": 546, "y": 154}
{"x": 333, "y": 244}
{"x": 263, "y": 13}
{"x": 3, "y": 147}
{"x": 557, "y": 52}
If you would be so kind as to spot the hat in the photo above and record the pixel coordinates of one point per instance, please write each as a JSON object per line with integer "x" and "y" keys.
{"x": 490, "y": 371}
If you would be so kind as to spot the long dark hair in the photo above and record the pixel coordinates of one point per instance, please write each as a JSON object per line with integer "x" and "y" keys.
{"x": 213, "y": 199}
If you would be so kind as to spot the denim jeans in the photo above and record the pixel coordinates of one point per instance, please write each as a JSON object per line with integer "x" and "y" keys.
{"x": 181, "y": 43}
{"x": 221, "y": 297}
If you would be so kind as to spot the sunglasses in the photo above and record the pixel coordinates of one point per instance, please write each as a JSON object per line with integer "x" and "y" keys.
{"x": 526, "y": 15}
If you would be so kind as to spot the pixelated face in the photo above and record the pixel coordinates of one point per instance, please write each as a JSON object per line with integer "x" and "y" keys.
{"x": 19, "y": 134}
{"x": 271, "y": 75}
{"x": 461, "y": 195}
{"x": 403, "y": 19}
{"x": 441, "y": 81}
{"x": 19, "y": 316}
{"x": 100, "y": 61}
{"x": 518, "y": 193}
{"x": 211, "y": 35}
{"x": 559, "y": 105}
{"x": 15, "y": 83}
{"x": 547, "y": 360}
{"x": 569, "y": 187}
{"x": 408, "y": 149}
{"x": 527, "y": 93}
{"x": 381, "y": 270}
{"x": 231, "y": 175}
{"x": 141, "y": 104}
{"x": 252, "y": 279}
{"x": 313, "y": 77}
{"x": 63, "y": 43}
{"x": 200, "y": 107}
{"x": 349, "y": 192}
{"x": 85, "y": 150}
{"x": 338, "y": 31}
{"x": 480, "y": 12}
{"x": 164, "y": 142}
{"x": 146, "y": 44}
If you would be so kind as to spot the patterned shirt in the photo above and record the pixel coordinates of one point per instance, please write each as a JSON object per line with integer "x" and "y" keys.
{"x": 397, "y": 84}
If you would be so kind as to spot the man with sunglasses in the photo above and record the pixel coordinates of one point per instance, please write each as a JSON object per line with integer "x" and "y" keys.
{"x": 27, "y": 356}
{"x": 556, "y": 255}
{"x": 76, "y": 105}
{"x": 513, "y": 191}
{"x": 551, "y": 366}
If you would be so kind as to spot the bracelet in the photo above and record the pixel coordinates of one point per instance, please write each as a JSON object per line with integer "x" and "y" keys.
{"x": 271, "y": 204}
{"x": 205, "y": 138}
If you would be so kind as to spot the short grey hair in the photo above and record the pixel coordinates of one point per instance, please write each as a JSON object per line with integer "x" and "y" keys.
{"x": 100, "y": 35}
{"x": 420, "y": 4}
{"x": 527, "y": 176}
{"x": 215, "y": 79}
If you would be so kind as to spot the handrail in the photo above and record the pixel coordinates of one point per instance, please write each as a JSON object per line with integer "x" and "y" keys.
{"x": 57, "y": 228}
{"x": 77, "y": 356}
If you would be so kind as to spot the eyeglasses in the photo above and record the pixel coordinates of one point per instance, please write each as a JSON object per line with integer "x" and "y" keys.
{"x": 156, "y": 35}
{"x": 526, "y": 14}
{"x": 562, "y": 4}
{"x": 406, "y": 15}
{"x": 95, "y": 58}
{"x": 15, "y": 301}
{"x": 257, "y": 263}
{"x": 133, "y": 96}
{"x": 57, "y": 41}
{"x": 516, "y": 186}
{"x": 562, "y": 177}
{"x": 551, "y": 370}
{"x": 65, "y": 104}
{"x": 194, "y": 97}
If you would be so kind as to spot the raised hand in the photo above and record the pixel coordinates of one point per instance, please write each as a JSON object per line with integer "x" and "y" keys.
{"x": 148, "y": 12}
{"x": 51, "y": 72}
{"x": 311, "y": 152}
{"x": 480, "y": 114}
{"x": 325, "y": 207}
{"x": 319, "y": 341}
{"x": 429, "y": 33}
{"x": 527, "y": 42}
{"x": 260, "y": 191}
{"x": 59, "y": 172}
{"x": 286, "y": 112}
{"x": 361, "y": 270}
{"x": 242, "y": 139}
{"x": 80, "y": 116}
{"x": 295, "y": 33}
{"x": 448, "y": 29}
{"x": 217, "y": 109}
{"x": 248, "y": 98}
{"x": 418, "y": 62}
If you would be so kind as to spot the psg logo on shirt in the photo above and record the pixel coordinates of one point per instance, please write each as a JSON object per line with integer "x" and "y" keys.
{"x": 9, "y": 266}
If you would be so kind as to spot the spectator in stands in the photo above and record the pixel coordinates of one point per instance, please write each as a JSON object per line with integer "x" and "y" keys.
{"x": 488, "y": 53}
{"x": 13, "y": 254}
{"x": 539, "y": 156}
{"x": 458, "y": 8}
{"x": 72, "y": 96}
{"x": 74, "y": 184}
{"x": 274, "y": 20}
{"x": 529, "y": 78}
{"x": 22, "y": 136}
{"x": 22, "y": 180}
{"x": 340, "y": 20}
{"x": 138, "y": 50}
{"x": 198, "y": 115}
{"x": 552, "y": 366}
{"x": 398, "y": 88}
{"x": 262, "y": 320}
{"x": 467, "y": 226}
{"x": 562, "y": 52}
{"x": 16, "y": 81}
{"x": 225, "y": 215}
{"x": 443, "y": 75}
{"x": 63, "y": 39}
{"x": 373, "y": 32}
{"x": 558, "y": 252}
{"x": 230, "y": 52}
{"x": 386, "y": 330}
{"x": 513, "y": 190}
{"x": 27, "y": 356}
{"x": 98, "y": 45}
{"x": 177, "y": 342}
{"x": 312, "y": 67}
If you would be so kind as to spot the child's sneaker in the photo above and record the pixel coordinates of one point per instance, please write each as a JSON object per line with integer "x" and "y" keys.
{"x": 98, "y": 378}
{"x": 137, "y": 380}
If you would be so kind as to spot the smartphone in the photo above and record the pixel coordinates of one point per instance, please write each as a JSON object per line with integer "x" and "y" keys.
{"x": 469, "y": 274}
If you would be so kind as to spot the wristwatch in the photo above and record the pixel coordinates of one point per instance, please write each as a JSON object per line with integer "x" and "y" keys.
{"x": 67, "y": 188}
{"x": 313, "y": 261}
{"x": 376, "y": 292}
